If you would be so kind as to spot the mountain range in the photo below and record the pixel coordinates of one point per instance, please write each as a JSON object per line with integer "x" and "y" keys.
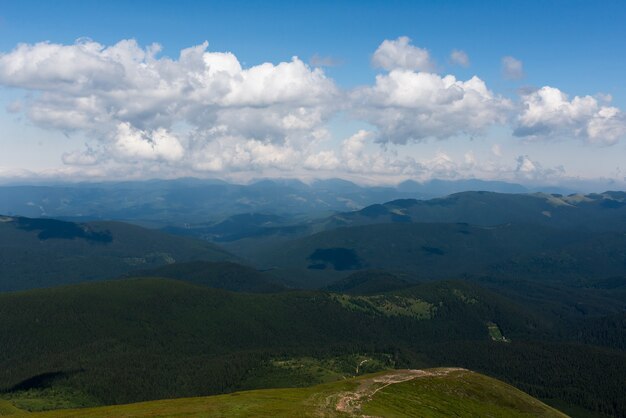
{"x": 528, "y": 288}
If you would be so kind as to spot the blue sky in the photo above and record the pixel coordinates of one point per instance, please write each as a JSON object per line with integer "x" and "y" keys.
{"x": 576, "y": 47}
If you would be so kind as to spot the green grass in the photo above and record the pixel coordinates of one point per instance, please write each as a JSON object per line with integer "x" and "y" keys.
{"x": 309, "y": 371}
{"x": 495, "y": 333}
{"x": 387, "y": 305}
{"x": 8, "y": 408}
{"x": 434, "y": 393}
{"x": 460, "y": 393}
{"x": 49, "y": 398}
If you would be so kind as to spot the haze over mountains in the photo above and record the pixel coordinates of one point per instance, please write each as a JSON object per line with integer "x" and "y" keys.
{"x": 193, "y": 200}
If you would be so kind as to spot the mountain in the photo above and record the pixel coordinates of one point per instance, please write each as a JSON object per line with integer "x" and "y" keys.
{"x": 244, "y": 234}
{"x": 391, "y": 393}
{"x": 182, "y": 201}
{"x": 194, "y": 201}
{"x": 217, "y": 275}
{"x": 130, "y": 340}
{"x": 526, "y": 288}
{"x": 47, "y": 252}
{"x": 447, "y": 187}
{"x": 444, "y": 250}
{"x": 600, "y": 211}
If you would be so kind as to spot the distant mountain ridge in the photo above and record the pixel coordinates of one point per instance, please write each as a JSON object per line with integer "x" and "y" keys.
{"x": 189, "y": 200}
{"x": 596, "y": 211}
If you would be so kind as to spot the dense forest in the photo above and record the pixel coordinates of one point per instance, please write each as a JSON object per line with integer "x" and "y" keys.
{"x": 533, "y": 300}
{"x": 139, "y": 339}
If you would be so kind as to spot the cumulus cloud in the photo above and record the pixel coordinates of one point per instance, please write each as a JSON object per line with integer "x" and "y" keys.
{"x": 356, "y": 158}
{"x": 459, "y": 57}
{"x": 528, "y": 169}
{"x": 525, "y": 164}
{"x": 399, "y": 53}
{"x": 203, "y": 112}
{"x": 548, "y": 112}
{"x": 130, "y": 91}
{"x": 410, "y": 106}
{"x": 512, "y": 69}
{"x": 359, "y": 154}
{"x": 159, "y": 144}
{"x": 226, "y": 153}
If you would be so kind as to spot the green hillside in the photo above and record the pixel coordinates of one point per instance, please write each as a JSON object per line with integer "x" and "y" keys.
{"x": 131, "y": 340}
{"x": 218, "y": 275}
{"x": 397, "y": 393}
{"x": 47, "y": 252}
{"x": 442, "y": 250}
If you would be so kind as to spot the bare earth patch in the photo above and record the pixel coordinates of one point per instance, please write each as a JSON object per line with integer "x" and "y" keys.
{"x": 350, "y": 402}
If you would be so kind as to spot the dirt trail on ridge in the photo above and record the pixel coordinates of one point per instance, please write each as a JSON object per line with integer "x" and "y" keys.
{"x": 351, "y": 402}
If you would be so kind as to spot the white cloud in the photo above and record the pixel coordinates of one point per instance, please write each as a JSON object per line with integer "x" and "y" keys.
{"x": 459, "y": 57}
{"x": 410, "y": 106}
{"x": 203, "y": 112}
{"x": 525, "y": 164}
{"x": 46, "y": 66}
{"x": 90, "y": 87}
{"x": 355, "y": 158}
{"x": 548, "y": 112}
{"x": 512, "y": 69}
{"x": 132, "y": 144}
{"x": 323, "y": 160}
{"x": 400, "y": 54}
{"x": 529, "y": 169}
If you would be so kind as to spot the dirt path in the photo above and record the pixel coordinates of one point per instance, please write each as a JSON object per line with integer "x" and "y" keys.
{"x": 350, "y": 402}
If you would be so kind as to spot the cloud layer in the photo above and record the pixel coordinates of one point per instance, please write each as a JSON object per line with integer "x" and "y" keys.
{"x": 203, "y": 111}
{"x": 131, "y": 99}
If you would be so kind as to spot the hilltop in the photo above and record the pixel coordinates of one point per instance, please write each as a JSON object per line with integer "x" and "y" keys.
{"x": 419, "y": 393}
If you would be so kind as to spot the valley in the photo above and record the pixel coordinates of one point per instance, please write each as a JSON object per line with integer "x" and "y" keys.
{"x": 146, "y": 315}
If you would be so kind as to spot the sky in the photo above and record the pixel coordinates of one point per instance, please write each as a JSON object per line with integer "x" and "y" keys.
{"x": 371, "y": 91}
